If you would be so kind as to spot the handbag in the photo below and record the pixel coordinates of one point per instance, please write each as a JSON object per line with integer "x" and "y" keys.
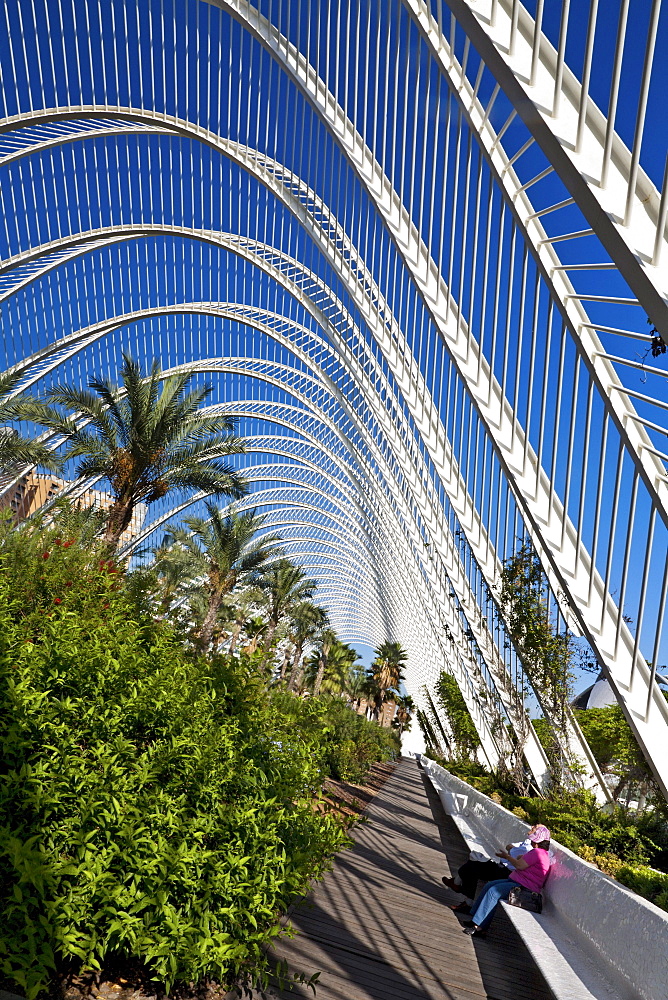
{"x": 526, "y": 899}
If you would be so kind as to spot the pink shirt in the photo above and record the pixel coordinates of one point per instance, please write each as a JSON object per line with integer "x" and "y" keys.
{"x": 533, "y": 877}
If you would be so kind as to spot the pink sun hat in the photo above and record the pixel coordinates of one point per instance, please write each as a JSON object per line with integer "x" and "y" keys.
{"x": 539, "y": 834}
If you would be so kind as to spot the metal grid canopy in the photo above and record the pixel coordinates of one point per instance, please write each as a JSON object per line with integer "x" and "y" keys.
{"x": 415, "y": 246}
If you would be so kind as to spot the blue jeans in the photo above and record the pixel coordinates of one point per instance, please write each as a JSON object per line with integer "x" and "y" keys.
{"x": 482, "y": 910}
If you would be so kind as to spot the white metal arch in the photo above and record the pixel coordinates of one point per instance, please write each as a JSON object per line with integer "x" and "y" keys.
{"x": 534, "y": 752}
{"x": 627, "y": 670}
{"x": 410, "y": 494}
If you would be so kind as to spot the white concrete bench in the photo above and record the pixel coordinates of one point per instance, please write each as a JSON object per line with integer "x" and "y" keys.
{"x": 455, "y": 807}
{"x": 595, "y": 939}
{"x": 568, "y": 972}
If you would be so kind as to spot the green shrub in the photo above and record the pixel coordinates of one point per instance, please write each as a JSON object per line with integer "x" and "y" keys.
{"x": 344, "y": 743}
{"x": 151, "y": 807}
{"x": 647, "y": 882}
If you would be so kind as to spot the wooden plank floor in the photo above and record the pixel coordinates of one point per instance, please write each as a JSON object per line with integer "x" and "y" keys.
{"x": 378, "y": 927}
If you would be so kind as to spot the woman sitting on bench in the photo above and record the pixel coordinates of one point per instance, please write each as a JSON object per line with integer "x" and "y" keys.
{"x": 531, "y": 871}
{"x": 478, "y": 870}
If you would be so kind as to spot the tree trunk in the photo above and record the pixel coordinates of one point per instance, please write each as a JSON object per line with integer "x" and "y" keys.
{"x": 118, "y": 519}
{"x": 284, "y": 665}
{"x": 206, "y": 631}
{"x": 322, "y": 664}
{"x": 295, "y": 673}
{"x": 269, "y": 637}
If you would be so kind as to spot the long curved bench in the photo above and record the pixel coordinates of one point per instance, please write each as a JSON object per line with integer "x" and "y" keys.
{"x": 595, "y": 939}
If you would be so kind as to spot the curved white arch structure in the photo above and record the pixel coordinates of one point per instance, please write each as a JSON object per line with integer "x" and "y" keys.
{"x": 416, "y": 259}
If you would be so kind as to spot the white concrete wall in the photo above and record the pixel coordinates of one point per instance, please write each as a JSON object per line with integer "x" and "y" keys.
{"x": 622, "y": 933}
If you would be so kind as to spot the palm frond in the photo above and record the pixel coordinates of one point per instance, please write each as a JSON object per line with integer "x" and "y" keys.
{"x": 86, "y": 404}
{"x": 165, "y": 413}
{"x": 199, "y": 427}
{"x": 179, "y": 408}
{"x": 109, "y": 398}
{"x": 8, "y": 382}
{"x": 41, "y": 413}
{"x": 207, "y": 450}
{"x": 16, "y": 453}
{"x": 213, "y": 478}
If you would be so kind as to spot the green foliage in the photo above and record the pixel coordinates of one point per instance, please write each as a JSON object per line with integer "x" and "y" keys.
{"x": 545, "y": 654}
{"x": 430, "y": 739}
{"x": 16, "y": 451}
{"x": 148, "y": 438}
{"x": 152, "y": 806}
{"x": 647, "y": 882}
{"x": 464, "y": 733}
{"x": 385, "y": 674}
{"x": 477, "y": 776}
{"x": 616, "y": 750}
{"x": 285, "y": 584}
{"x": 331, "y": 667}
{"x": 344, "y": 743}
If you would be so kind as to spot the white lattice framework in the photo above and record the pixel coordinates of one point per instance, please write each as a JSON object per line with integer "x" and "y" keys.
{"x": 414, "y": 246}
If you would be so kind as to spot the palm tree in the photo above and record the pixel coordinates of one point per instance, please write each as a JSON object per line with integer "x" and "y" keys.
{"x": 17, "y": 452}
{"x": 359, "y": 687}
{"x": 330, "y": 668}
{"x": 307, "y": 622}
{"x": 327, "y": 643}
{"x": 253, "y": 627}
{"x": 405, "y": 708}
{"x": 229, "y": 553}
{"x": 243, "y": 615}
{"x": 146, "y": 440}
{"x": 86, "y": 524}
{"x": 285, "y": 585}
{"x": 176, "y": 563}
{"x": 385, "y": 673}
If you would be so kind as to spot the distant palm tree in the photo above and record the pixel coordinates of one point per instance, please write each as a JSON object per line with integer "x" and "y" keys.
{"x": 307, "y": 622}
{"x": 18, "y": 452}
{"x": 254, "y": 628}
{"x": 148, "y": 438}
{"x": 359, "y": 687}
{"x": 331, "y": 666}
{"x": 176, "y": 563}
{"x": 285, "y": 584}
{"x": 327, "y": 644}
{"x": 227, "y": 552}
{"x": 385, "y": 674}
{"x": 243, "y": 616}
{"x": 405, "y": 708}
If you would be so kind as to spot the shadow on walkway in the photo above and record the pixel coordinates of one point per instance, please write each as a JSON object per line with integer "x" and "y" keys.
{"x": 379, "y": 927}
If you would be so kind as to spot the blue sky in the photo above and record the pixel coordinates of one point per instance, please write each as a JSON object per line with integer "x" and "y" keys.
{"x": 201, "y": 67}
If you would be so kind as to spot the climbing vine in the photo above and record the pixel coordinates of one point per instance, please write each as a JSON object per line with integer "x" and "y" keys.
{"x": 545, "y": 652}
{"x": 464, "y": 733}
{"x": 431, "y": 742}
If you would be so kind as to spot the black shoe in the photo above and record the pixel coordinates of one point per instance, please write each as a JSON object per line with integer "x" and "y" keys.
{"x": 451, "y": 884}
{"x": 468, "y": 923}
{"x": 462, "y": 908}
{"x": 474, "y": 931}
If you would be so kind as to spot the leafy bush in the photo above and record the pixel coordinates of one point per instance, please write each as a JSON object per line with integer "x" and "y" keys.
{"x": 344, "y": 744}
{"x": 149, "y": 809}
{"x": 647, "y": 882}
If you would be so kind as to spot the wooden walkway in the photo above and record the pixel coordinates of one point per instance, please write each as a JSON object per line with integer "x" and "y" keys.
{"x": 379, "y": 928}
